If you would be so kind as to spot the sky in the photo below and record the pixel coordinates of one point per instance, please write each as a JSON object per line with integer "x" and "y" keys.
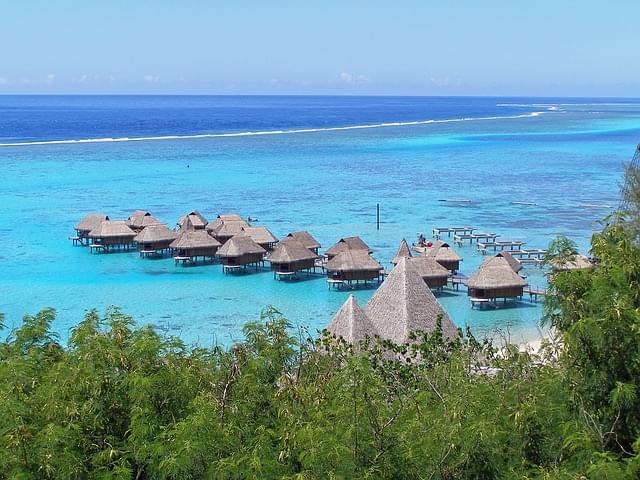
{"x": 328, "y": 47}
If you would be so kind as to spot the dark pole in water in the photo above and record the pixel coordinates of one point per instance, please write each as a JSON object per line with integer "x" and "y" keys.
{"x": 377, "y": 216}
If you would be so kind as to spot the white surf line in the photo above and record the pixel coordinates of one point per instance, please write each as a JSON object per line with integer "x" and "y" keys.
{"x": 264, "y": 132}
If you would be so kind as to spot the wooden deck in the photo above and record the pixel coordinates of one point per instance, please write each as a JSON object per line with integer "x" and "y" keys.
{"x": 511, "y": 245}
{"x": 459, "y": 239}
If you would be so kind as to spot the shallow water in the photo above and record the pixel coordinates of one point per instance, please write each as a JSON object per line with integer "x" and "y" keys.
{"x": 566, "y": 160}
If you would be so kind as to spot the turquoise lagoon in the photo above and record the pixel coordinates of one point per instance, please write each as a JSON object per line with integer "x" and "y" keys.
{"x": 562, "y": 156}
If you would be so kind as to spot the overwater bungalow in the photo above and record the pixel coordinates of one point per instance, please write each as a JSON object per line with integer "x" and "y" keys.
{"x": 111, "y": 235}
{"x": 140, "y": 219}
{"x": 574, "y": 262}
{"x": 154, "y": 239}
{"x": 403, "y": 252}
{"x": 198, "y": 221}
{"x": 262, "y": 236}
{"x": 433, "y": 274}
{"x": 223, "y": 230}
{"x": 353, "y": 266}
{"x": 289, "y": 257}
{"x": 348, "y": 243}
{"x": 306, "y": 239}
{"x": 88, "y": 223}
{"x": 240, "y": 251}
{"x": 515, "y": 265}
{"x": 495, "y": 279}
{"x": 352, "y": 324}
{"x": 403, "y": 304}
{"x": 191, "y": 244}
{"x": 445, "y": 255}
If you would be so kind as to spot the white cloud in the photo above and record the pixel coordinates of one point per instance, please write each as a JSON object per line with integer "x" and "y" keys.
{"x": 151, "y": 78}
{"x": 353, "y": 79}
{"x": 50, "y": 78}
{"x": 83, "y": 78}
{"x": 4, "y": 81}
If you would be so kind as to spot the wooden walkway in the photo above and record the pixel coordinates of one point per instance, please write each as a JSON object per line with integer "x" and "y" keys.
{"x": 459, "y": 239}
{"x": 437, "y": 232}
{"x": 484, "y": 247}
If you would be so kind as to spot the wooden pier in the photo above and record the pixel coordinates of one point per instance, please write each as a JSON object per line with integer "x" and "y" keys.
{"x": 459, "y": 239}
{"x": 437, "y": 232}
{"x": 484, "y": 247}
{"x": 533, "y": 253}
{"x": 534, "y": 292}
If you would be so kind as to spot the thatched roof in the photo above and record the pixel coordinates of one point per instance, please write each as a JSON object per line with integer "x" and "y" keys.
{"x": 495, "y": 272}
{"x": 305, "y": 238}
{"x": 260, "y": 235}
{"x": 226, "y": 228}
{"x": 428, "y": 267}
{"x": 140, "y": 219}
{"x": 353, "y": 260}
{"x": 197, "y": 219}
{"x": 155, "y": 233}
{"x": 348, "y": 243}
{"x": 577, "y": 262}
{"x": 112, "y": 228}
{"x": 404, "y": 303}
{"x": 229, "y": 217}
{"x": 91, "y": 221}
{"x": 515, "y": 265}
{"x": 188, "y": 237}
{"x": 351, "y": 323}
{"x": 290, "y": 251}
{"x": 443, "y": 251}
{"x": 238, "y": 246}
{"x": 403, "y": 252}
{"x": 224, "y": 218}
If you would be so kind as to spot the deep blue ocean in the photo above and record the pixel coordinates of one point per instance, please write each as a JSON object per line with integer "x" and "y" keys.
{"x": 315, "y": 163}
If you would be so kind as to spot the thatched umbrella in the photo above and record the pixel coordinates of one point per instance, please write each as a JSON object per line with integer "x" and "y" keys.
{"x": 575, "y": 262}
{"x": 445, "y": 255}
{"x": 155, "y": 237}
{"x": 198, "y": 221}
{"x": 351, "y": 323}
{"x": 353, "y": 265}
{"x": 112, "y": 233}
{"x": 495, "y": 279}
{"x": 90, "y": 222}
{"x": 403, "y": 252}
{"x": 291, "y": 256}
{"x": 140, "y": 219}
{"x": 348, "y": 243}
{"x": 262, "y": 236}
{"x": 433, "y": 274}
{"x": 403, "y": 304}
{"x": 192, "y": 243}
{"x": 241, "y": 250}
{"x": 515, "y": 265}
{"x": 306, "y": 239}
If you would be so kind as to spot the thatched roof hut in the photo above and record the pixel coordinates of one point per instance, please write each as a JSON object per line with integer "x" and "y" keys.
{"x": 348, "y": 243}
{"x": 291, "y": 256}
{"x": 262, "y": 236}
{"x": 433, "y": 274}
{"x": 90, "y": 222}
{"x": 403, "y": 252}
{"x": 515, "y": 265}
{"x": 575, "y": 262}
{"x": 305, "y": 238}
{"x": 445, "y": 255}
{"x": 241, "y": 250}
{"x": 404, "y": 303}
{"x": 112, "y": 233}
{"x": 198, "y": 221}
{"x": 353, "y": 265}
{"x": 351, "y": 323}
{"x": 155, "y": 237}
{"x": 140, "y": 219}
{"x": 495, "y": 279}
{"x": 226, "y": 217}
{"x": 223, "y": 230}
{"x": 193, "y": 243}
